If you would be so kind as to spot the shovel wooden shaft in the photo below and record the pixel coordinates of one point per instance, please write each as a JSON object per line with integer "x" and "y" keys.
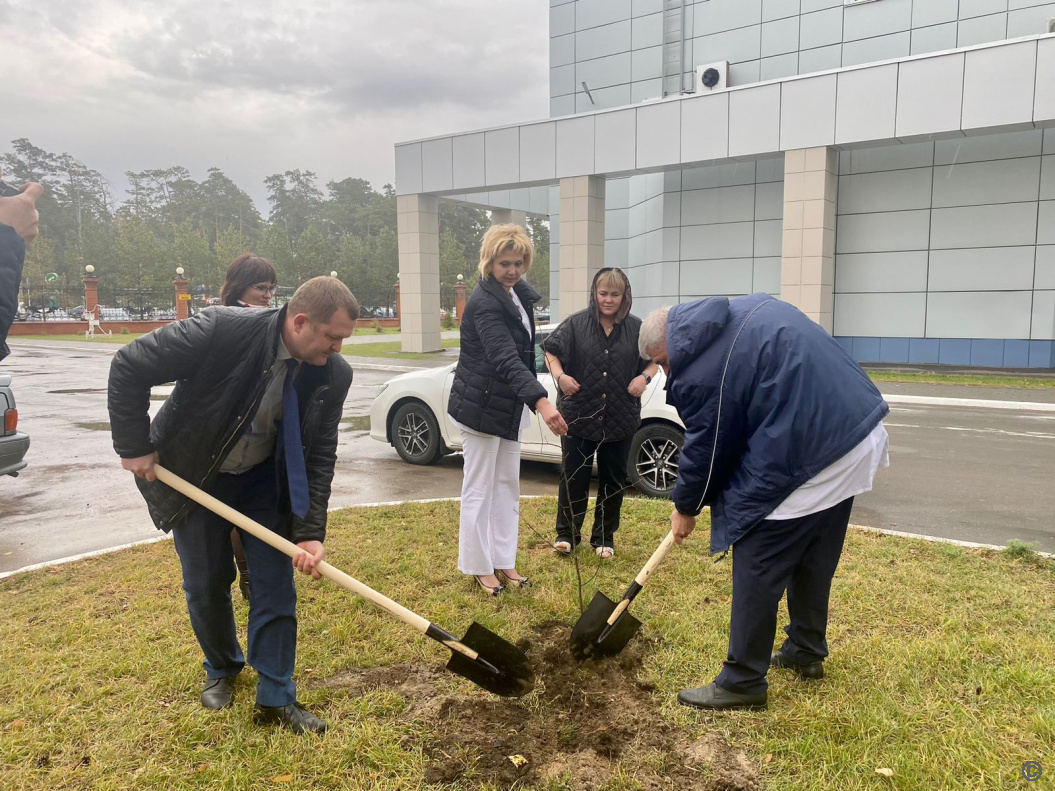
{"x": 642, "y": 577}
{"x": 325, "y": 569}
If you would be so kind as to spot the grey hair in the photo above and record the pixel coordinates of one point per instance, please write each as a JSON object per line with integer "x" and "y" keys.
{"x": 653, "y": 331}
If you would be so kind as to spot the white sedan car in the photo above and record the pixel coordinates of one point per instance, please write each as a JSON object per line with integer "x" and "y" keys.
{"x": 410, "y": 413}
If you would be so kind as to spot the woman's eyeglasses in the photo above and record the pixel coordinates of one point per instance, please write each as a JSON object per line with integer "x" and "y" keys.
{"x": 268, "y": 288}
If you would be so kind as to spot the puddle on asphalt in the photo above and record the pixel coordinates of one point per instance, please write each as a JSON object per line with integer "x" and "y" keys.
{"x": 357, "y": 423}
{"x": 97, "y": 426}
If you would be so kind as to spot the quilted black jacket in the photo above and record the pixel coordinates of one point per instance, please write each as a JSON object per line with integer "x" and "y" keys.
{"x": 221, "y": 362}
{"x": 495, "y": 375}
{"x": 603, "y": 365}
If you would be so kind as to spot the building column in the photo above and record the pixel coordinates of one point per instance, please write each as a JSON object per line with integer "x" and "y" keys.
{"x": 91, "y": 294}
{"x": 807, "y": 271}
{"x": 581, "y": 239}
{"x": 460, "y": 291}
{"x": 503, "y": 216}
{"x": 418, "y": 223}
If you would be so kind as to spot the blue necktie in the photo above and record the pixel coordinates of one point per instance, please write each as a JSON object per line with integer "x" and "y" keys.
{"x": 296, "y": 472}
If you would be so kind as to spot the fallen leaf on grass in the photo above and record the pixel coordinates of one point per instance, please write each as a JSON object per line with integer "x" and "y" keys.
{"x": 885, "y": 772}
{"x": 769, "y": 758}
{"x": 517, "y": 760}
{"x": 281, "y": 778}
{"x": 201, "y": 767}
{"x": 16, "y": 725}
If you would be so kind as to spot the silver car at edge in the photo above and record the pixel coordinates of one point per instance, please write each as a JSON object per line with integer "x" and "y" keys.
{"x": 13, "y": 443}
{"x": 410, "y": 413}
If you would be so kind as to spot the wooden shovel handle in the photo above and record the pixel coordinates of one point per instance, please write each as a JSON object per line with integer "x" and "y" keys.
{"x": 655, "y": 560}
{"x": 289, "y": 548}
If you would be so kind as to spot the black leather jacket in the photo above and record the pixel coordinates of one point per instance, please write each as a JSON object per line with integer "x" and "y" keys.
{"x": 495, "y": 375}
{"x": 221, "y": 362}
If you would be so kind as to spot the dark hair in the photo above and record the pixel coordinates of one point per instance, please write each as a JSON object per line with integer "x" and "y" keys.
{"x": 246, "y": 270}
{"x": 321, "y": 297}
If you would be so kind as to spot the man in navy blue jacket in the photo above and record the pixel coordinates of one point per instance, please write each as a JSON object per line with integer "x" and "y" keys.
{"x": 18, "y": 225}
{"x": 782, "y": 429}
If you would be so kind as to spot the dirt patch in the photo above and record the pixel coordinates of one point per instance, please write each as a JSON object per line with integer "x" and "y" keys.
{"x": 588, "y": 726}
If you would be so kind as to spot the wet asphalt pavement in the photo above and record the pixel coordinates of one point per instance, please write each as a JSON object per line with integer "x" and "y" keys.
{"x": 973, "y": 474}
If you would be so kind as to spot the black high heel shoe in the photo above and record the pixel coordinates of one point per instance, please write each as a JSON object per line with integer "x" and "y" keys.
{"x": 517, "y": 582}
{"x": 490, "y": 591}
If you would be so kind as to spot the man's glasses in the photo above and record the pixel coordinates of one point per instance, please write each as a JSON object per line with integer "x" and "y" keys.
{"x": 268, "y": 288}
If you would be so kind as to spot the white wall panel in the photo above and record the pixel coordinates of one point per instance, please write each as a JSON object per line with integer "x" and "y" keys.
{"x": 615, "y": 141}
{"x": 880, "y": 315}
{"x": 575, "y": 140}
{"x": 892, "y": 190}
{"x": 1046, "y": 222}
{"x": 998, "y": 85}
{"x": 1043, "y": 319}
{"x": 984, "y": 148}
{"x": 1044, "y": 97}
{"x": 887, "y": 157}
{"x": 1045, "y": 271}
{"x": 720, "y": 205}
{"x": 1003, "y": 225}
{"x": 929, "y": 95}
{"x": 976, "y": 183}
{"x": 881, "y": 272}
{"x": 754, "y": 120}
{"x": 437, "y": 165}
{"x": 705, "y": 127}
{"x": 766, "y": 277}
{"x": 867, "y": 104}
{"x": 538, "y": 152}
{"x": 982, "y": 269}
{"x": 979, "y": 314}
{"x": 807, "y": 112}
{"x": 469, "y": 161}
{"x": 502, "y": 156}
{"x": 658, "y": 134}
{"x": 734, "y": 240}
{"x": 720, "y": 276}
{"x": 408, "y": 168}
{"x": 883, "y": 232}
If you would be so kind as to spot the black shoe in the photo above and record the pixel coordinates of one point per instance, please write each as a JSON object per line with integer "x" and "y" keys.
{"x": 814, "y": 671}
{"x": 294, "y": 716}
{"x": 218, "y": 693}
{"x": 714, "y": 697}
{"x": 489, "y": 590}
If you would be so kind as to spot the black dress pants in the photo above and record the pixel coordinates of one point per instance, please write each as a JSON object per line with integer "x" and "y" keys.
{"x": 797, "y": 555}
{"x": 574, "y": 491}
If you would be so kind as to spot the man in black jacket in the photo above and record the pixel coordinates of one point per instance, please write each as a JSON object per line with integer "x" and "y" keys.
{"x": 237, "y": 371}
{"x": 18, "y": 225}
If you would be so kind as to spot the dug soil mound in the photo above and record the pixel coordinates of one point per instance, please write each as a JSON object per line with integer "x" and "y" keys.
{"x": 586, "y": 726}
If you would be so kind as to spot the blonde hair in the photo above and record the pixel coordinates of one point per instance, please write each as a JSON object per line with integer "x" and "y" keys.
{"x": 499, "y": 239}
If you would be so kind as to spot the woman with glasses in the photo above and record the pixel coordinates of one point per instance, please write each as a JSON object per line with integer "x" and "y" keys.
{"x": 600, "y": 377}
{"x": 250, "y": 282}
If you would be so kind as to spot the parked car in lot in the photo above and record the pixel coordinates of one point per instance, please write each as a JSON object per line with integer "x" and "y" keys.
{"x": 13, "y": 443}
{"x": 410, "y": 413}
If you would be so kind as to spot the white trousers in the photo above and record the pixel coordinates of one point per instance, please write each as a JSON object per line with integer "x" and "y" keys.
{"x": 490, "y": 518}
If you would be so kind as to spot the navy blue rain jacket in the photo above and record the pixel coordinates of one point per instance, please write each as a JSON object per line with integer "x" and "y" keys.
{"x": 792, "y": 403}
{"x": 12, "y": 256}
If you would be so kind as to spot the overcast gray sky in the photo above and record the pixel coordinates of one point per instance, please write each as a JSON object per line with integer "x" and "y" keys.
{"x": 256, "y": 87}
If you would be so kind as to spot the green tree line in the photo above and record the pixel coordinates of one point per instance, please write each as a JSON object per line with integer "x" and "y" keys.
{"x": 169, "y": 219}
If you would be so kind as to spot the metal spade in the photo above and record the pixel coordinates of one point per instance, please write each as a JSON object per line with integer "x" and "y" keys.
{"x": 605, "y": 627}
{"x": 481, "y": 656}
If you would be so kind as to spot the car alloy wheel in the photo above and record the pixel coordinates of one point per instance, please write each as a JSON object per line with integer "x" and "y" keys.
{"x": 416, "y": 434}
{"x": 654, "y": 455}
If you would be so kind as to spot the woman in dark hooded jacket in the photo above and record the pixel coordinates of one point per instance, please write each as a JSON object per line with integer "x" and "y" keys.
{"x": 600, "y": 377}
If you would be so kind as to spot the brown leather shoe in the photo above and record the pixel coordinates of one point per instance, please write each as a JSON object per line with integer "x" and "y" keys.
{"x": 294, "y": 716}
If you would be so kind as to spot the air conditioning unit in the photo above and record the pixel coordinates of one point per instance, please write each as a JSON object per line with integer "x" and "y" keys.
{"x": 712, "y": 77}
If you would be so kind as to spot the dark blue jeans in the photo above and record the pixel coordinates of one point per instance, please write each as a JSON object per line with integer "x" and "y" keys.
{"x": 204, "y": 547}
{"x": 796, "y": 555}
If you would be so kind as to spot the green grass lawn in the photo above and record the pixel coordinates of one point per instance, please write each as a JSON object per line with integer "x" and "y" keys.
{"x": 975, "y": 380}
{"x": 117, "y": 337}
{"x": 941, "y": 667}
{"x": 392, "y": 349}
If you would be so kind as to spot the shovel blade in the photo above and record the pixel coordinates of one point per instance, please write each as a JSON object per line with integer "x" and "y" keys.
{"x": 585, "y": 635}
{"x": 514, "y": 678}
